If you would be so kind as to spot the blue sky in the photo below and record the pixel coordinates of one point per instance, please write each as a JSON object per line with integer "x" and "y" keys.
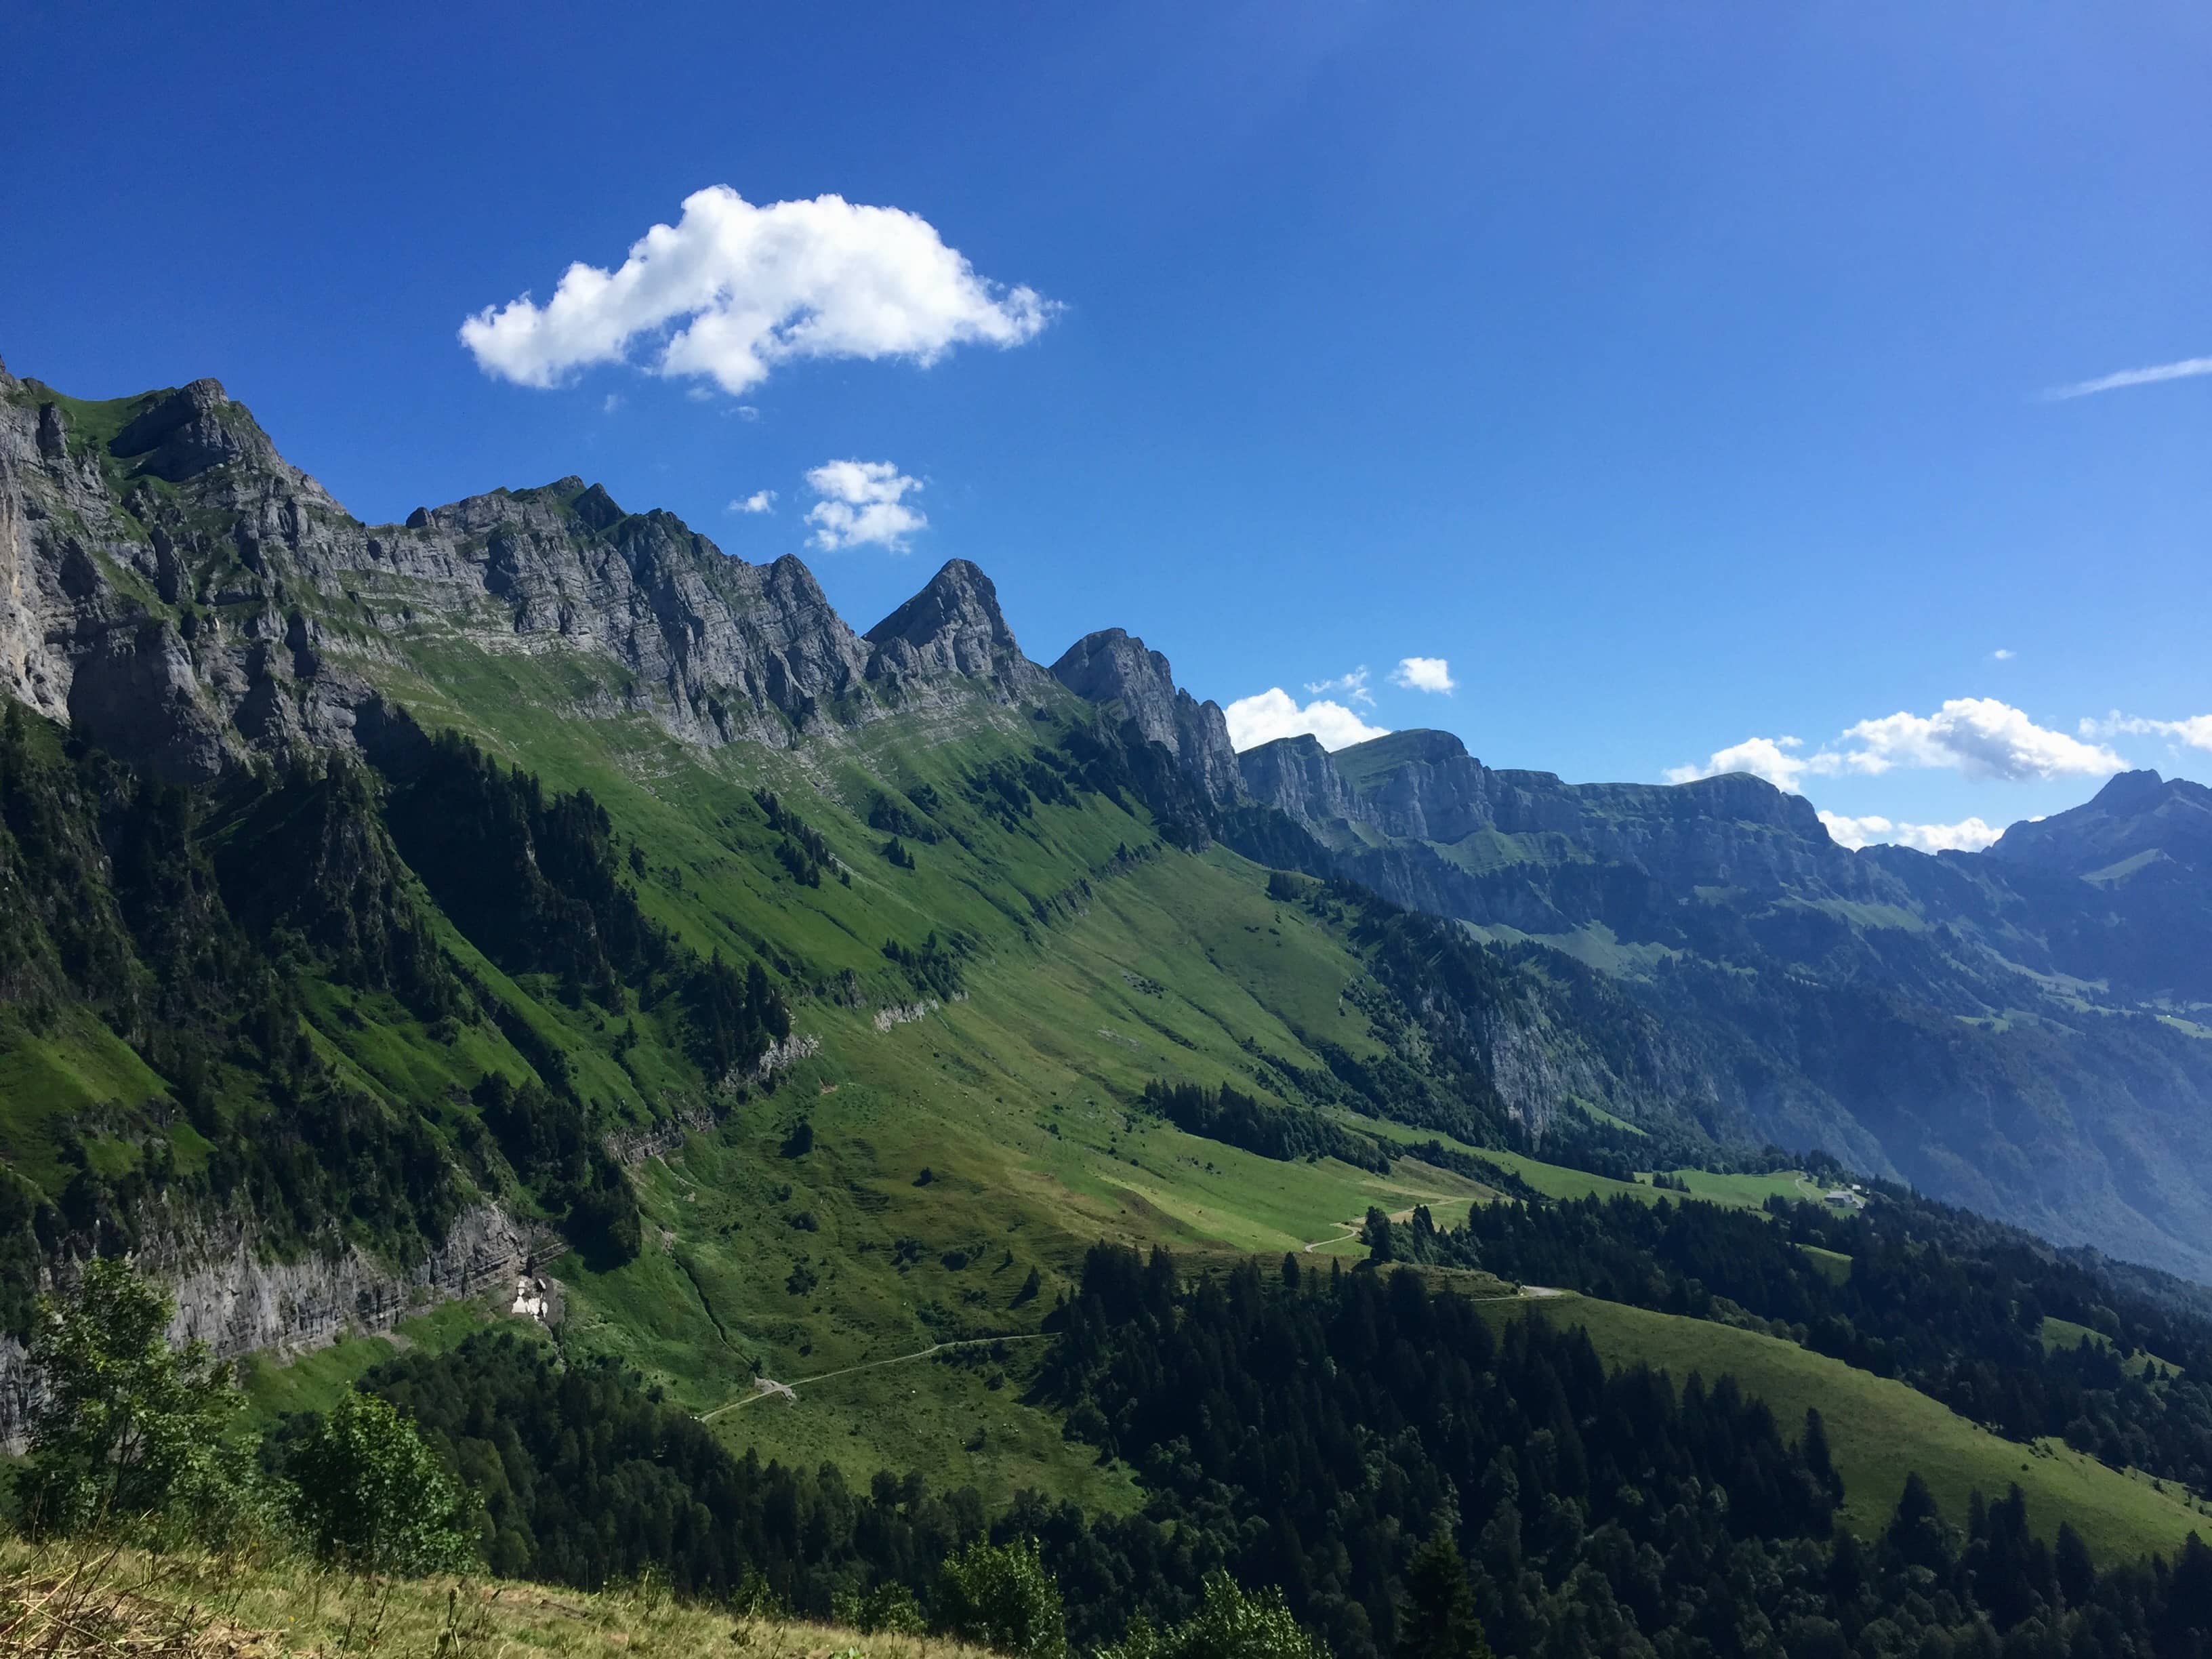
{"x": 1678, "y": 378}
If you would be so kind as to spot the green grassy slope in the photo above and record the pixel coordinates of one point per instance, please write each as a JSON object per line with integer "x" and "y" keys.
{"x": 965, "y": 1149}
{"x": 1879, "y": 1430}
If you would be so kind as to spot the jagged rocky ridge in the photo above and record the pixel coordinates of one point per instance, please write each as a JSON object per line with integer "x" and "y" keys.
{"x": 177, "y": 591}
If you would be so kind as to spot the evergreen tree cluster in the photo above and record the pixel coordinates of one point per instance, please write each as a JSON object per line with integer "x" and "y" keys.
{"x": 550, "y": 1145}
{"x": 192, "y": 920}
{"x": 1318, "y": 1429}
{"x": 1282, "y": 1132}
{"x": 531, "y": 878}
{"x": 897, "y": 821}
{"x": 932, "y": 967}
{"x": 111, "y": 896}
{"x": 1950, "y": 1304}
{"x": 1320, "y": 1434}
{"x": 588, "y": 1479}
{"x": 534, "y": 882}
{"x": 1008, "y": 790}
{"x": 799, "y": 847}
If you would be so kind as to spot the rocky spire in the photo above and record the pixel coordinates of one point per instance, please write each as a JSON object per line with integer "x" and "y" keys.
{"x": 1113, "y": 667}
{"x": 952, "y": 627}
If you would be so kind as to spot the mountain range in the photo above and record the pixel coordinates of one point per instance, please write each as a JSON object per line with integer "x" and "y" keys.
{"x": 2021, "y": 1030}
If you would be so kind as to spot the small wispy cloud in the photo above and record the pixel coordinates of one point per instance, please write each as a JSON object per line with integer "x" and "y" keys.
{"x": 2187, "y": 369}
{"x": 1969, "y": 835}
{"x": 2002, "y": 655}
{"x": 861, "y": 502}
{"x": 613, "y": 403}
{"x": 2194, "y": 730}
{"x": 761, "y": 500}
{"x": 1352, "y": 687}
{"x": 1430, "y": 674}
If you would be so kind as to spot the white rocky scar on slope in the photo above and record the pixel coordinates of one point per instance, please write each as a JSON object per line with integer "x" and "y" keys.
{"x": 240, "y": 1303}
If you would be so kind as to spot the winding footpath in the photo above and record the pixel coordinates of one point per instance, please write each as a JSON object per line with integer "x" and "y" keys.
{"x": 767, "y": 1387}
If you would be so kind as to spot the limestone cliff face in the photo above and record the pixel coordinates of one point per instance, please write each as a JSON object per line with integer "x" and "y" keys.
{"x": 170, "y": 584}
{"x": 1400, "y": 811}
{"x": 1113, "y": 667}
{"x": 238, "y": 1301}
{"x": 1296, "y": 777}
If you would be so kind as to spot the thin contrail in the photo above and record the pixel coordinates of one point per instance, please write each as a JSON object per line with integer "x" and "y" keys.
{"x": 2185, "y": 369}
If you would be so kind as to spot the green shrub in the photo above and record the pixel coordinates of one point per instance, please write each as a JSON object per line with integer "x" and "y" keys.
{"x": 1000, "y": 1596}
{"x": 131, "y": 1432}
{"x": 888, "y": 1609}
{"x": 373, "y": 1497}
{"x": 1227, "y": 1624}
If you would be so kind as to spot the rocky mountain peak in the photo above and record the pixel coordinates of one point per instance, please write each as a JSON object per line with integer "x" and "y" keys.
{"x": 1114, "y": 667}
{"x": 595, "y": 506}
{"x": 184, "y": 433}
{"x": 952, "y": 627}
{"x": 2135, "y": 822}
{"x": 2129, "y": 793}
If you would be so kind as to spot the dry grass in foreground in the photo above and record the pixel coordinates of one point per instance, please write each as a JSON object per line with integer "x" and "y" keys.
{"x": 81, "y": 1601}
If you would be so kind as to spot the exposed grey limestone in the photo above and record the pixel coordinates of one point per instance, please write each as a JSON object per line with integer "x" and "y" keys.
{"x": 1296, "y": 777}
{"x": 234, "y": 606}
{"x": 238, "y": 1301}
{"x": 952, "y": 627}
{"x": 1393, "y": 807}
{"x": 1113, "y": 667}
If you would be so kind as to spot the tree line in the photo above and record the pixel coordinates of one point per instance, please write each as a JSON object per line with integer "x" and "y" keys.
{"x": 1344, "y": 1463}
{"x": 1950, "y": 1302}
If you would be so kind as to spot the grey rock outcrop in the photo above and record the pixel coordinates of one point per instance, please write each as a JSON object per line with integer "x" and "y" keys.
{"x": 1543, "y": 856}
{"x": 189, "y": 596}
{"x": 1296, "y": 777}
{"x": 952, "y": 629}
{"x": 1112, "y": 667}
{"x": 238, "y": 1301}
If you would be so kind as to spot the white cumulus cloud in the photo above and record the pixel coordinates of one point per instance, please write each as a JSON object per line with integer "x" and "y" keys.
{"x": 761, "y": 500}
{"x": 1775, "y": 759}
{"x": 1968, "y": 836}
{"x": 1275, "y": 713}
{"x": 733, "y": 289}
{"x": 2188, "y": 368}
{"x": 2003, "y": 655}
{"x": 1424, "y": 674}
{"x": 2193, "y": 732}
{"x": 861, "y": 502}
{"x": 1977, "y": 737}
{"x": 1352, "y": 685}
